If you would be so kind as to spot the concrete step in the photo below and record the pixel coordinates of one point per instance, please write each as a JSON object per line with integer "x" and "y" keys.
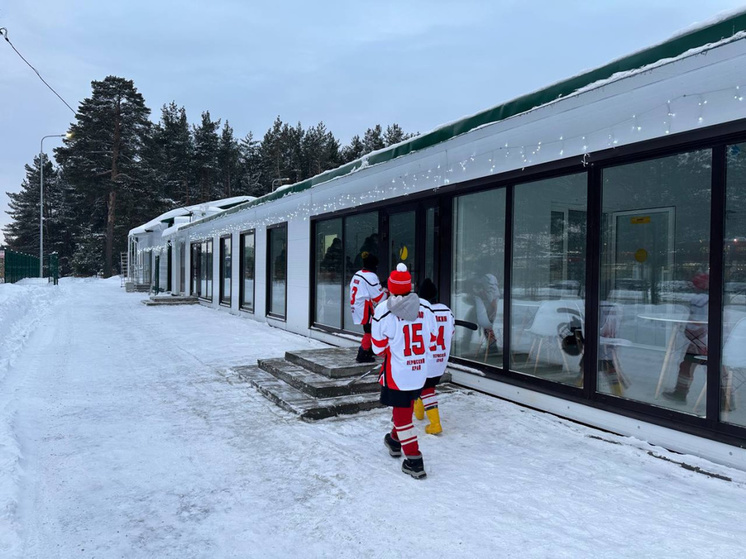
{"x": 302, "y": 404}
{"x": 318, "y": 385}
{"x": 334, "y": 362}
{"x": 170, "y": 300}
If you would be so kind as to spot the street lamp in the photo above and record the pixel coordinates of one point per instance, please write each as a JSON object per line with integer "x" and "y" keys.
{"x": 279, "y": 182}
{"x": 41, "y": 198}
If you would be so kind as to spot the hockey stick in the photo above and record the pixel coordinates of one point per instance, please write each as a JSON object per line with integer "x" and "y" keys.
{"x": 464, "y": 323}
{"x": 375, "y": 369}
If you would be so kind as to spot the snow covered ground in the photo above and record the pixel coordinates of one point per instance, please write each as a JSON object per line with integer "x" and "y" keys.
{"x": 123, "y": 434}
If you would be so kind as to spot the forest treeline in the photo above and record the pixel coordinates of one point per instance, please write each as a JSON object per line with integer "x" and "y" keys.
{"x": 118, "y": 170}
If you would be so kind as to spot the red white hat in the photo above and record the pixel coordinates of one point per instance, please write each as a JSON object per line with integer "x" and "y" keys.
{"x": 701, "y": 281}
{"x": 400, "y": 280}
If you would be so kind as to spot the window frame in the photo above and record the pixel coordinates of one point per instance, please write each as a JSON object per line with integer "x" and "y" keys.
{"x": 715, "y": 138}
{"x": 268, "y": 300}
{"x": 241, "y": 286}
{"x": 221, "y": 274}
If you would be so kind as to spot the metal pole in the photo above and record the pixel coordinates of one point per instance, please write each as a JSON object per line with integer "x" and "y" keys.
{"x": 41, "y": 208}
{"x": 41, "y": 200}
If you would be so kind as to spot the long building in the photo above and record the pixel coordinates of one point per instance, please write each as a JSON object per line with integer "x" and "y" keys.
{"x": 595, "y": 230}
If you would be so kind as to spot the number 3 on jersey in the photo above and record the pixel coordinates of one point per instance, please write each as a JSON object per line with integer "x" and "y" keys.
{"x": 413, "y": 342}
{"x": 354, "y": 294}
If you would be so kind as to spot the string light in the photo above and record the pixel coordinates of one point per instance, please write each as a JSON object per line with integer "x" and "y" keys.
{"x": 604, "y": 136}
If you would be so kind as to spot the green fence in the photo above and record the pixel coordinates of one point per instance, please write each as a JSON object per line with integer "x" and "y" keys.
{"x": 15, "y": 266}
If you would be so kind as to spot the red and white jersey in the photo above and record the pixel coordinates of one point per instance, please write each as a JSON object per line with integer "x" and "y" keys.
{"x": 365, "y": 291}
{"x": 440, "y": 348}
{"x": 404, "y": 345}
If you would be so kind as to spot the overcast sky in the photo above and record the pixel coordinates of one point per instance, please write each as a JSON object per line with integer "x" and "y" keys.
{"x": 349, "y": 64}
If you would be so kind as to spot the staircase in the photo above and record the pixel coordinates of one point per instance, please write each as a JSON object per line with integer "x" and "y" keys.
{"x": 315, "y": 384}
{"x": 123, "y": 268}
{"x": 319, "y": 383}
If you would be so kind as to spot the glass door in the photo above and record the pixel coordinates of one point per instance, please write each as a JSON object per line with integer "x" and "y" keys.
{"x": 402, "y": 243}
{"x": 413, "y": 240}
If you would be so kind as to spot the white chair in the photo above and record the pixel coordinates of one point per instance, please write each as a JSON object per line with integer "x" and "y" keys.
{"x": 545, "y": 327}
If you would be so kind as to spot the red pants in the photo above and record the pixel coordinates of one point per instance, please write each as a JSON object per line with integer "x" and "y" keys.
{"x": 403, "y": 430}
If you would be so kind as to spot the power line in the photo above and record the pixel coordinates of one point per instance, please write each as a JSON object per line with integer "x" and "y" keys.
{"x": 4, "y": 33}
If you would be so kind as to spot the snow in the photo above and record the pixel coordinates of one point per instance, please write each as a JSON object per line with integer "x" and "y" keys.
{"x": 123, "y": 433}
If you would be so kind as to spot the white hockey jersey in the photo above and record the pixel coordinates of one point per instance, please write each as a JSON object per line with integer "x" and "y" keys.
{"x": 440, "y": 348}
{"x": 365, "y": 291}
{"x": 404, "y": 342}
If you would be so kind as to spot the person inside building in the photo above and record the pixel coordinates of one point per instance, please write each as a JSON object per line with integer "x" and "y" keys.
{"x": 365, "y": 293}
{"x": 402, "y": 331}
{"x": 696, "y": 335}
{"x": 439, "y": 350}
{"x": 486, "y": 299}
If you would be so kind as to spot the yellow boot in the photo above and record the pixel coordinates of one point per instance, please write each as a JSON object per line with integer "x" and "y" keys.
{"x": 434, "y": 416}
{"x": 419, "y": 409}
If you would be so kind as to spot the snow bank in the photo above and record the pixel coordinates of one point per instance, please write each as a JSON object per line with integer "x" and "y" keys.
{"x": 22, "y": 307}
{"x": 140, "y": 442}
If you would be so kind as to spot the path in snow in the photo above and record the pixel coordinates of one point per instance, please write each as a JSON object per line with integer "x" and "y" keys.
{"x": 136, "y": 441}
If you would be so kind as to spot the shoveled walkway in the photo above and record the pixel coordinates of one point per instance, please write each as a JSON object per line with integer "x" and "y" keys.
{"x": 127, "y": 434}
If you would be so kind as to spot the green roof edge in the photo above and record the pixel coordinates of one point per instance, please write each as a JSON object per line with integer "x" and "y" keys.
{"x": 671, "y": 48}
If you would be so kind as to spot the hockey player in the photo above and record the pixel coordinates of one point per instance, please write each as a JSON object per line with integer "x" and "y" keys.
{"x": 365, "y": 293}
{"x": 402, "y": 331}
{"x": 439, "y": 350}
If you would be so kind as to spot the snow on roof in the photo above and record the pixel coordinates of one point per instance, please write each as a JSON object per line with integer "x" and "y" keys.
{"x": 726, "y": 26}
{"x": 195, "y": 212}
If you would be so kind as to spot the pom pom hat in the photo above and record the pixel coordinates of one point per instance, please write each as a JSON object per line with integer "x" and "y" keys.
{"x": 400, "y": 280}
{"x": 701, "y": 281}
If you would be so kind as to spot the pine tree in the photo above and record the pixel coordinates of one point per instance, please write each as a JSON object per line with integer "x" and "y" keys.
{"x": 394, "y": 134}
{"x": 320, "y": 151}
{"x": 206, "y": 141}
{"x": 373, "y": 139}
{"x": 22, "y": 234}
{"x": 250, "y": 168}
{"x": 280, "y": 153}
{"x": 103, "y": 160}
{"x": 229, "y": 156}
{"x": 355, "y": 150}
{"x": 175, "y": 145}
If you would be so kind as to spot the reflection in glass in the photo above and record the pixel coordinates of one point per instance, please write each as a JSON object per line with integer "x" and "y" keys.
{"x": 430, "y": 244}
{"x": 195, "y": 263}
{"x": 247, "y": 271}
{"x": 548, "y": 276}
{"x": 360, "y": 235}
{"x": 329, "y": 256}
{"x": 182, "y": 267}
{"x": 277, "y": 269}
{"x": 402, "y": 243}
{"x": 733, "y": 376}
{"x": 205, "y": 269}
{"x": 478, "y": 274}
{"x": 225, "y": 270}
{"x": 655, "y": 281}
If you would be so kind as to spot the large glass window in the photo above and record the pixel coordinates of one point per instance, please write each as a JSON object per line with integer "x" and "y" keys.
{"x": 478, "y": 274}
{"x": 247, "y": 271}
{"x": 655, "y": 281}
{"x": 277, "y": 268}
{"x": 548, "y": 277}
{"x": 403, "y": 242}
{"x": 733, "y": 376}
{"x": 182, "y": 267}
{"x": 195, "y": 268}
{"x": 329, "y": 270}
{"x": 225, "y": 270}
{"x": 205, "y": 267}
{"x": 360, "y": 235}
